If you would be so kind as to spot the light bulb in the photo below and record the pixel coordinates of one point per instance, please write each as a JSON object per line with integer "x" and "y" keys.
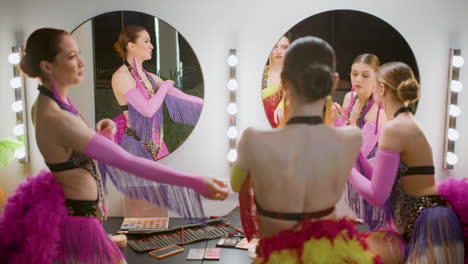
{"x": 232, "y": 132}
{"x": 18, "y": 130}
{"x": 457, "y": 61}
{"x": 456, "y": 86}
{"x": 232, "y": 155}
{"x": 20, "y": 153}
{"x": 451, "y": 158}
{"x": 232, "y": 109}
{"x": 17, "y": 106}
{"x": 454, "y": 110}
{"x": 453, "y": 134}
{"x": 232, "y": 85}
{"x": 232, "y": 60}
{"x": 15, "y": 82}
{"x": 14, "y": 58}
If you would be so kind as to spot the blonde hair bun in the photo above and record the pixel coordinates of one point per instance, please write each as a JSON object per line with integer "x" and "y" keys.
{"x": 408, "y": 91}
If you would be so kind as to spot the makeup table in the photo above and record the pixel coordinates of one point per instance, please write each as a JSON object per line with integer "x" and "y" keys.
{"x": 228, "y": 255}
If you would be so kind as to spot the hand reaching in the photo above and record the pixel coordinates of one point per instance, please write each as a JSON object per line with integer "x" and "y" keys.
{"x": 337, "y": 110}
{"x": 106, "y": 127}
{"x": 219, "y": 190}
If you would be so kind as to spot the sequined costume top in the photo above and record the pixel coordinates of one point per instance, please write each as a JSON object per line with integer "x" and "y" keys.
{"x": 271, "y": 102}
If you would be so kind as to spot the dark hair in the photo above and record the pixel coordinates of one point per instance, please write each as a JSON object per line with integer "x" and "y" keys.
{"x": 399, "y": 78}
{"x": 369, "y": 59}
{"x": 128, "y": 34}
{"x": 289, "y": 36}
{"x": 309, "y": 65}
{"x": 42, "y": 44}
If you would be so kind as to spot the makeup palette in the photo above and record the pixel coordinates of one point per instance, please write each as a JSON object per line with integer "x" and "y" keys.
{"x": 145, "y": 223}
{"x": 182, "y": 235}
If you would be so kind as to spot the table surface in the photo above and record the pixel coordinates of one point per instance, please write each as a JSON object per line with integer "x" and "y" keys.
{"x": 228, "y": 255}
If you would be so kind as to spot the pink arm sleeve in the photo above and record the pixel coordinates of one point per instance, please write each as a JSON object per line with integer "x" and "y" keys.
{"x": 363, "y": 165}
{"x": 377, "y": 190}
{"x": 108, "y": 152}
{"x": 369, "y": 137}
{"x": 178, "y": 93}
{"x": 147, "y": 107}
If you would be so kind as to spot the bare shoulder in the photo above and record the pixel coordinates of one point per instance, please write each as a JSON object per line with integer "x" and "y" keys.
{"x": 393, "y": 134}
{"x": 347, "y": 95}
{"x": 244, "y": 148}
{"x": 58, "y": 118}
{"x": 156, "y": 78}
{"x": 248, "y": 134}
{"x": 346, "y": 99}
{"x": 122, "y": 74}
{"x": 349, "y": 138}
{"x": 393, "y": 128}
{"x": 122, "y": 81}
{"x": 351, "y": 134}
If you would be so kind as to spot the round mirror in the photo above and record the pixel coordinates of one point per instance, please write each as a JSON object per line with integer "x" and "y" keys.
{"x": 361, "y": 41}
{"x": 144, "y": 75}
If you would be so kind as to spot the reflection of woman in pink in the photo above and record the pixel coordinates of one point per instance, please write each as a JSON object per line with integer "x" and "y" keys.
{"x": 271, "y": 85}
{"x": 141, "y": 95}
{"x": 359, "y": 108}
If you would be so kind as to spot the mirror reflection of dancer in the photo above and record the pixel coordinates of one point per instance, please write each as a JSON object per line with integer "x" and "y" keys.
{"x": 402, "y": 178}
{"x": 300, "y": 224}
{"x": 56, "y": 216}
{"x": 141, "y": 94}
{"x": 359, "y": 108}
{"x": 142, "y": 97}
{"x": 271, "y": 82}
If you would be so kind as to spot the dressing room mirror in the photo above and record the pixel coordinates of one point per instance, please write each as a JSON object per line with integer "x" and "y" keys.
{"x": 110, "y": 86}
{"x": 351, "y": 33}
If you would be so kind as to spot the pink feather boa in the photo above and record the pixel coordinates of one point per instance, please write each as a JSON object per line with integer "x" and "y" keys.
{"x": 30, "y": 225}
{"x": 329, "y": 229}
{"x": 455, "y": 192}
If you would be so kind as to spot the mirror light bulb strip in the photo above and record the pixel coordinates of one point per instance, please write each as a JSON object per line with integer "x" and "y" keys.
{"x": 18, "y": 106}
{"x": 232, "y": 110}
{"x": 454, "y": 86}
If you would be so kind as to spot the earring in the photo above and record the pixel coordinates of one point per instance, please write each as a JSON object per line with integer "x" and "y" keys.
{"x": 377, "y": 118}
{"x": 328, "y": 119}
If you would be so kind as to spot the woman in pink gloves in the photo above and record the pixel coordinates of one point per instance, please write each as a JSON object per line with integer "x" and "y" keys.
{"x": 56, "y": 216}
{"x": 142, "y": 97}
{"x": 402, "y": 178}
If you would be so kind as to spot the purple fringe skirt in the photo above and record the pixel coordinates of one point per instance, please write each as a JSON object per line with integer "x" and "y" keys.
{"x": 184, "y": 201}
{"x": 437, "y": 237}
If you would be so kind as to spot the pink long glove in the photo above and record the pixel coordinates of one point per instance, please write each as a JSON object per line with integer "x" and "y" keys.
{"x": 370, "y": 137}
{"x": 364, "y": 166}
{"x": 148, "y": 107}
{"x": 179, "y": 94}
{"x": 106, "y": 151}
{"x": 377, "y": 190}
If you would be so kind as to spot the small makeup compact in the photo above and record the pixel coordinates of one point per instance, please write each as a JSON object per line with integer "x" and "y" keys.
{"x": 120, "y": 240}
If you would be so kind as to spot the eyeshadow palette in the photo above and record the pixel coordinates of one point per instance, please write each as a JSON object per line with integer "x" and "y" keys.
{"x": 145, "y": 223}
{"x": 182, "y": 235}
